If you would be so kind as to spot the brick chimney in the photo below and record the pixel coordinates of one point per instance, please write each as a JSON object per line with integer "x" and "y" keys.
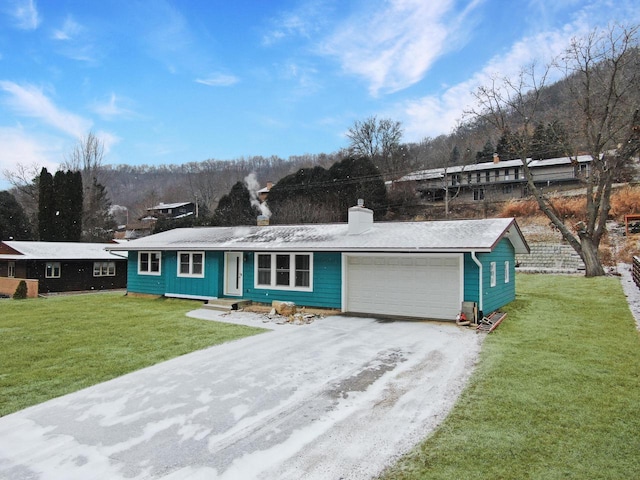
{"x": 360, "y": 219}
{"x": 496, "y": 158}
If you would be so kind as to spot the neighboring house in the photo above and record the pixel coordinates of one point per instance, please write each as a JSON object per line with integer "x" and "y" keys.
{"x": 61, "y": 266}
{"x": 263, "y": 193}
{"x": 497, "y": 180}
{"x": 172, "y": 210}
{"x": 414, "y": 269}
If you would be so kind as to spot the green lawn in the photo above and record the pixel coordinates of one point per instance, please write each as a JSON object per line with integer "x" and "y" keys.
{"x": 50, "y": 347}
{"x": 556, "y": 393}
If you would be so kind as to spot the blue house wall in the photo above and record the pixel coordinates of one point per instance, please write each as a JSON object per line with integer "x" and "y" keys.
{"x": 327, "y": 284}
{"x": 151, "y": 284}
{"x": 208, "y": 286}
{"x": 503, "y": 292}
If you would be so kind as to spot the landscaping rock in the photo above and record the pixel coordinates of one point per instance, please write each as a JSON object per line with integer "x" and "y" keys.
{"x": 284, "y": 308}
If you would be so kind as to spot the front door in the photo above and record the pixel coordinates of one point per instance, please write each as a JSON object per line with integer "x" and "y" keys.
{"x": 233, "y": 275}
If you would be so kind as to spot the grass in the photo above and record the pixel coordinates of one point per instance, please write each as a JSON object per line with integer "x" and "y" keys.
{"x": 556, "y": 393}
{"x": 50, "y": 347}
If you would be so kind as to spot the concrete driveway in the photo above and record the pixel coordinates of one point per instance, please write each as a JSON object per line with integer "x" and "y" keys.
{"x": 340, "y": 398}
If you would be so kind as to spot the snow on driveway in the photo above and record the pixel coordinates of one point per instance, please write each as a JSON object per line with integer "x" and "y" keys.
{"x": 340, "y": 398}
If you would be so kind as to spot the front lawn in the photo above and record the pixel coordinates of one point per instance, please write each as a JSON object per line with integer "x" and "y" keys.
{"x": 50, "y": 347}
{"x": 556, "y": 393}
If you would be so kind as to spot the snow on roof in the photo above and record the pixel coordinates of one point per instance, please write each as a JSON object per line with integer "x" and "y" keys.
{"x": 60, "y": 251}
{"x": 162, "y": 206}
{"x": 438, "y": 236}
{"x": 435, "y": 173}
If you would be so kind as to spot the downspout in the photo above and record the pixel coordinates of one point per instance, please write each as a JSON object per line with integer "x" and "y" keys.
{"x": 480, "y": 303}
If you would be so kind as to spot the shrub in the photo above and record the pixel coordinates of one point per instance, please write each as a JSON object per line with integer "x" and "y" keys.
{"x": 624, "y": 202}
{"x": 21, "y": 291}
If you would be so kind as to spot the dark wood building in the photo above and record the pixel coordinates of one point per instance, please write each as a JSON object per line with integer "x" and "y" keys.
{"x": 61, "y": 266}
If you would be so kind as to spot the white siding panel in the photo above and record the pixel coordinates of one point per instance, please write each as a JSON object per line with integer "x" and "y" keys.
{"x": 424, "y": 286}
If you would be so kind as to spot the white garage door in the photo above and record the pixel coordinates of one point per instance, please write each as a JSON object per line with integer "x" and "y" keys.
{"x": 425, "y": 286}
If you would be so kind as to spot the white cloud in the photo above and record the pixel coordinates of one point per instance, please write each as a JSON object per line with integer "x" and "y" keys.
{"x": 19, "y": 148}
{"x": 30, "y": 101}
{"x": 113, "y": 108}
{"x": 25, "y": 13}
{"x": 436, "y": 114}
{"x": 218, "y": 80}
{"x": 393, "y": 47}
{"x": 70, "y": 30}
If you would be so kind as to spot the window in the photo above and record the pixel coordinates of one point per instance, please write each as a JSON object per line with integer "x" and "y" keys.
{"x": 284, "y": 271}
{"x": 516, "y": 173}
{"x": 468, "y": 178}
{"x": 149, "y": 263}
{"x": 478, "y": 194}
{"x": 507, "y": 189}
{"x": 478, "y": 177}
{"x": 104, "y": 269}
{"x": 191, "y": 264}
{"x": 52, "y": 270}
{"x": 506, "y": 271}
{"x": 493, "y": 274}
{"x": 11, "y": 269}
{"x": 456, "y": 179}
{"x": 506, "y": 174}
{"x": 487, "y": 176}
{"x": 496, "y": 175}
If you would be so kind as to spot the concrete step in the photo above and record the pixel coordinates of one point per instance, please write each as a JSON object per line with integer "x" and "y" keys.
{"x": 226, "y": 304}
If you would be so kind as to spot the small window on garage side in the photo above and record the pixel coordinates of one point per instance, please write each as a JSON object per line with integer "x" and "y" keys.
{"x": 149, "y": 263}
{"x": 52, "y": 270}
{"x": 191, "y": 264}
{"x": 493, "y": 274}
{"x": 506, "y": 271}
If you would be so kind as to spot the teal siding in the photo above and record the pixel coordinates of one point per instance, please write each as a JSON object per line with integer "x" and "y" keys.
{"x": 503, "y": 293}
{"x": 208, "y": 286}
{"x": 471, "y": 284}
{"x": 151, "y": 284}
{"x": 327, "y": 284}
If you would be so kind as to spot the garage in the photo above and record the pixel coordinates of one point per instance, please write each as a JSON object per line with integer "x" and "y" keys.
{"x": 426, "y": 286}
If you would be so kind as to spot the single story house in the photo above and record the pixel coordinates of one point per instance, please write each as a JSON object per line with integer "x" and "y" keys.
{"x": 61, "y": 266}
{"x": 414, "y": 269}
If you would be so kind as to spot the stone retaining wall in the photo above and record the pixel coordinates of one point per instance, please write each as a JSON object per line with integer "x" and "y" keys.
{"x": 551, "y": 257}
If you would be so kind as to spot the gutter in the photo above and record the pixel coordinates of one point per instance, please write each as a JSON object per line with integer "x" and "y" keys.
{"x": 480, "y": 302}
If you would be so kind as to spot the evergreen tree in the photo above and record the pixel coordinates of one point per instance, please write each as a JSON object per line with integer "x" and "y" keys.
{"x": 46, "y": 207}
{"x": 235, "y": 208}
{"x": 14, "y": 223}
{"x": 486, "y": 154}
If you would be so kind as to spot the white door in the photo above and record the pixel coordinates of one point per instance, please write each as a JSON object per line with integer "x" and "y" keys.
{"x": 426, "y": 286}
{"x": 233, "y": 273}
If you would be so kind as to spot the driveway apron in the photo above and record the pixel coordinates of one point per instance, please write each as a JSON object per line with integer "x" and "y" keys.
{"x": 340, "y": 398}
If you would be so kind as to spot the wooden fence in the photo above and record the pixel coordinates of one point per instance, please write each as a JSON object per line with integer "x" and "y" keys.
{"x": 635, "y": 271}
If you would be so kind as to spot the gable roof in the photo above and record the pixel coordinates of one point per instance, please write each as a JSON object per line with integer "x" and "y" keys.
{"x": 163, "y": 206}
{"x": 23, "y": 250}
{"x": 399, "y": 237}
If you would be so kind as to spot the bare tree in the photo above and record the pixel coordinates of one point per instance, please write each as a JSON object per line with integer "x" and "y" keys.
{"x": 87, "y": 157}
{"x": 602, "y": 79}
{"x": 378, "y": 140}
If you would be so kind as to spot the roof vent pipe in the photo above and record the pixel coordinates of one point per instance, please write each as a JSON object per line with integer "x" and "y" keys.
{"x": 360, "y": 219}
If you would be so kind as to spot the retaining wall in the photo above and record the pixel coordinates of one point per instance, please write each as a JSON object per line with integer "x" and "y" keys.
{"x": 550, "y": 257}
{"x": 8, "y": 286}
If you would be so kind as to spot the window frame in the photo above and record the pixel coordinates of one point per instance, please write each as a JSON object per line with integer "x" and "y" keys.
{"x": 11, "y": 269}
{"x": 52, "y": 270}
{"x": 104, "y": 269}
{"x": 493, "y": 274}
{"x": 278, "y": 269}
{"x": 507, "y": 272}
{"x": 191, "y": 263}
{"x": 149, "y": 271}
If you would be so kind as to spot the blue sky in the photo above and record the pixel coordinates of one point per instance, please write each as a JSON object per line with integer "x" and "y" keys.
{"x": 170, "y": 82}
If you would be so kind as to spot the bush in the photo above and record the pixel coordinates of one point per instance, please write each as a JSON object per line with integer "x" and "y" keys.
{"x": 21, "y": 291}
{"x": 624, "y": 202}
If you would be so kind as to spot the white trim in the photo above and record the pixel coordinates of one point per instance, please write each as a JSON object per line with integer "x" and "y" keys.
{"x": 239, "y": 274}
{"x": 189, "y": 297}
{"x": 507, "y": 271}
{"x": 493, "y": 272}
{"x": 11, "y": 269}
{"x": 292, "y": 272}
{"x": 149, "y": 272}
{"x": 53, "y": 270}
{"x": 480, "y": 281}
{"x": 190, "y": 274}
